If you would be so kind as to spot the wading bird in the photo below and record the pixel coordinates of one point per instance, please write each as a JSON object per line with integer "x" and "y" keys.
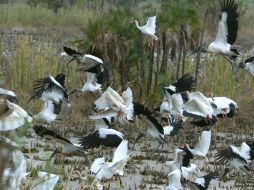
{"x": 149, "y": 28}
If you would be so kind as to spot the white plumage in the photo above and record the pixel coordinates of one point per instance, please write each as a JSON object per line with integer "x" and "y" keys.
{"x": 47, "y": 113}
{"x": 12, "y": 116}
{"x": 174, "y": 180}
{"x": 101, "y": 169}
{"x": 149, "y": 28}
{"x": 91, "y": 85}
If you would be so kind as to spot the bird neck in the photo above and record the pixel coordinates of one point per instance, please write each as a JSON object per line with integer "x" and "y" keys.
{"x": 136, "y": 22}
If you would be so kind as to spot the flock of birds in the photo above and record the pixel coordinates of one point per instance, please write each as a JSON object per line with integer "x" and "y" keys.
{"x": 180, "y": 106}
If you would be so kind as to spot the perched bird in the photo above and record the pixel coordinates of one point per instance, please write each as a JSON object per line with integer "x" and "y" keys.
{"x": 200, "y": 149}
{"x": 248, "y": 65}
{"x": 202, "y": 183}
{"x": 238, "y": 158}
{"x": 12, "y": 116}
{"x": 174, "y": 180}
{"x": 105, "y": 170}
{"x": 49, "y": 112}
{"x": 50, "y": 88}
{"x": 149, "y": 28}
{"x": 68, "y": 146}
{"x": 8, "y": 95}
{"x": 102, "y": 136}
{"x": 155, "y": 129}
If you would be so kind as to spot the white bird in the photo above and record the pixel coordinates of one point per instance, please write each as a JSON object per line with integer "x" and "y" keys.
{"x": 223, "y": 106}
{"x": 174, "y": 180}
{"x": 91, "y": 84}
{"x": 49, "y": 112}
{"x": 238, "y": 158}
{"x": 50, "y": 88}
{"x": 12, "y": 116}
{"x": 102, "y": 136}
{"x": 9, "y": 95}
{"x": 200, "y": 149}
{"x": 181, "y": 158}
{"x": 105, "y": 170}
{"x": 114, "y": 105}
{"x": 227, "y": 30}
{"x": 248, "y": 65}
{"x": 178, "y": 160}
{"x": 149, "y": 28}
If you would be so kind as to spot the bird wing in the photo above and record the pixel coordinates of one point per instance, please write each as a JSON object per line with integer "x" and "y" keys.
{"x": 199, "y": 97}
{"x": 12, "y": 116}
{"x": 249, "y": 60}
{"x": 228, "y": 24}
{"x": 127, "y": 97}
{"x": 151, "y": 24}
{"x": 177, "y": 104}
{"x": 174, "y": 178}
{"x": 71, "y": 52}
{"x": 121, "y": 152}
{"x": 97, "y": 164}
{"x": 204, "y": 181}
{"x": 50, "y": 135}
{"x": 50, "y": 88}
{"x": 60, "y": 78}
{"x": 228, "y": 154}
{"x": 196, "y": 108}
{"x": 106, "y": 137}
{"x": 204, "y": 142}
{"x": 115, "y": 94}
{"x": 185, "y": 83}
{"x": 246, "y": 151}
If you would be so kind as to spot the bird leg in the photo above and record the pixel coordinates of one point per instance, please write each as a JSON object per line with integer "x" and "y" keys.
{"x": 162, "y": 146}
